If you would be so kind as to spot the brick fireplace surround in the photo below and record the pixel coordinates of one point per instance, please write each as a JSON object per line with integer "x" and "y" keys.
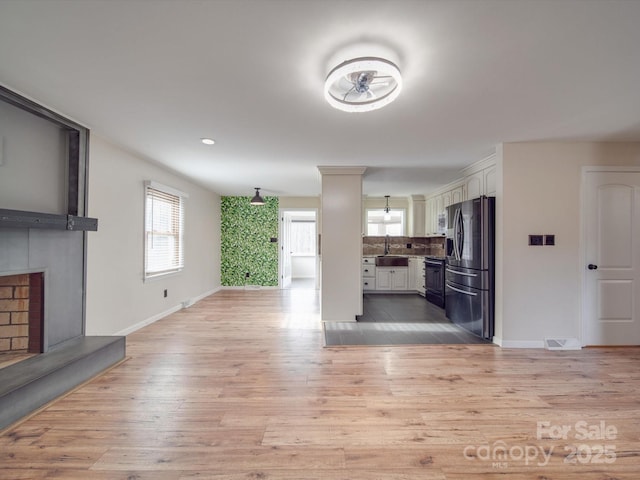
{"x": 21, "y": 313}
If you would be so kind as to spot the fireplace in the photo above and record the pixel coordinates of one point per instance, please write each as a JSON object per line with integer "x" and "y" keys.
{"x": 21, "y": 313}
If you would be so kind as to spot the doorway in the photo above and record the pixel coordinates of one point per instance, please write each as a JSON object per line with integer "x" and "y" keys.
{"x": 611, "y": 270}
{"x": 299, "y": 249}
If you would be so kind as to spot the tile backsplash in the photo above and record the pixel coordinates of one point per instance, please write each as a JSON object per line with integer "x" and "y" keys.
{"x": 404, "y": 246}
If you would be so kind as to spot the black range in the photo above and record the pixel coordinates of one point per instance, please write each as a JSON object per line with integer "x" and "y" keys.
{"x": 434, "y": 272}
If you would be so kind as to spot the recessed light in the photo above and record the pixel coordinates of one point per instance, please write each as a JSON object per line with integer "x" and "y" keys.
{"x": 208, "y": 141}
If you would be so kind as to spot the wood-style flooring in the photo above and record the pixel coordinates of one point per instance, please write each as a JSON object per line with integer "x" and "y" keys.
{"x": 239, "y": 386}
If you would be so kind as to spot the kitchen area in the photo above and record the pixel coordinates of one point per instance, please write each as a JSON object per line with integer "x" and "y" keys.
{"x": 427, "y": 267}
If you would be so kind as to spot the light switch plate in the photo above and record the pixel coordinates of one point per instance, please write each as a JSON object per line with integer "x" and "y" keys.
{"x": 535, "y": 240}
{"x": 549, "y": 239}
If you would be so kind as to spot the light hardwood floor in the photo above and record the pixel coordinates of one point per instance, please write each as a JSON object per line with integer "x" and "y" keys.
{"x": 239, "y": 386}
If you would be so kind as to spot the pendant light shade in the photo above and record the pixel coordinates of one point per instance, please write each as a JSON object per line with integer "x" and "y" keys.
{"x": 387, "y": 210}
{"x": 257, "y": 199}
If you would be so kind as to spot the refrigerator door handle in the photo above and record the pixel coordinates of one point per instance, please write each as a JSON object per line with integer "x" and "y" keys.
{"x": 471, "y": 294}
{"x": 461, "y": 234}
{"x": 462, "y": 273}
{"x": 456, "y": 233}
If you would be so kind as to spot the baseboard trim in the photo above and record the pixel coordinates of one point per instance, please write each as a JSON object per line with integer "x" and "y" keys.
{"x": 161, "y": 315}
{"x": 521, "y": 343}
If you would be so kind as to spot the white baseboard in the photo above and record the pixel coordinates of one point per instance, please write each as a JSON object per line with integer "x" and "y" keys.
{"x": 161, "y": 315}
{"x": 191, "y": 301}
{"x": 148, "y": 321}
{"x": 520, "y": 343}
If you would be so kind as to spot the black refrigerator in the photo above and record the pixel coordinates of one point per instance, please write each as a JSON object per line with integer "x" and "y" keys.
{"x": 469, "y": 275}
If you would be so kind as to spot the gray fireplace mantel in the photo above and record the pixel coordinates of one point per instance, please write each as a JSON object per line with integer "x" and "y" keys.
{"x": 22, "y": 219}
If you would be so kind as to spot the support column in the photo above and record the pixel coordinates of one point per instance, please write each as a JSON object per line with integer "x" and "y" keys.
{"x": 341, "y": 243}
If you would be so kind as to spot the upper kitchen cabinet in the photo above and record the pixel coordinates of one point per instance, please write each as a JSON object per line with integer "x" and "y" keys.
{"x": 490, "y": 181}
{"x": 457, "y": 195}
{"x": 477, "y": 180}
{"x": 480, "y": 179}
{"x": 437, "y": 205}
{"x": 417, "y": 216}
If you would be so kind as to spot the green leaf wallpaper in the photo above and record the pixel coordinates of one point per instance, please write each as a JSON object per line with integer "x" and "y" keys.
{"x": 246, "y": 231}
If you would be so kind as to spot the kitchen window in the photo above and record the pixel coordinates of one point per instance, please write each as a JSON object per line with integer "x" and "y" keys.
{"x": 164, "y": 228}
{"x": 381, "y": 223}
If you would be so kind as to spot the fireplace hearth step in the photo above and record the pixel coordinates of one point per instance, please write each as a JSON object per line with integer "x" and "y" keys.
{"x": 30, "y": 384}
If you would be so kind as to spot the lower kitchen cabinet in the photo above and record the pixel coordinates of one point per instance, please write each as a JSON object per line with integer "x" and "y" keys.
{"x": 416, "y": 275}
{"x": 392, "y": 278}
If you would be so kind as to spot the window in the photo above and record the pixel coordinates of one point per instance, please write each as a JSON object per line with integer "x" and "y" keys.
{"x": 303, "y": 237}
{"x": 163, "y": 228}
{"x": 380, "y": 223}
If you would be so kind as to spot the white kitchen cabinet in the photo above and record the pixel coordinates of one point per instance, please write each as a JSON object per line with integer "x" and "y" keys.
{"x": 416, "y": 274}
{"x": 392, "y": 278}
{"x": 446, "y": 201}
{"x": 474, "y": 185}
{"x": 490, "y": 181}
{"x": 411, "y": 279}
{"x": 457, "y": 195}
{"x": 432, "y": 217}
{"x": 369, "y": 273}
{"x": 481, "y": 183}
{"x": 417, "y": 210}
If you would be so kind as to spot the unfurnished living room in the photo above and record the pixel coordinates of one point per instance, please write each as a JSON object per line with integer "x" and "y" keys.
{"x": 277, "y": 239}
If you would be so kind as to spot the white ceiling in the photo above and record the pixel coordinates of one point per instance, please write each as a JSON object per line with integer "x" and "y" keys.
{"x": 157, "y": 75}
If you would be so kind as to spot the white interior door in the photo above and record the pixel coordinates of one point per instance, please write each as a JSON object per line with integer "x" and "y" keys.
{"x": 612, "y": 263}
{"x": 285, "y": 250}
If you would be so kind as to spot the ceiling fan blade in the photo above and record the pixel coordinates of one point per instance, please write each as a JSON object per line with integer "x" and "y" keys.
{"x": 352, "y": 89}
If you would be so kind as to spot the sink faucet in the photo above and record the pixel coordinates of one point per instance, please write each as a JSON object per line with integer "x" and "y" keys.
{"x": 386, "y": 245}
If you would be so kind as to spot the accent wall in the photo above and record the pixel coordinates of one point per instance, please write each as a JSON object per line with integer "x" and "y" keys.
{"x": 246, "y": 246}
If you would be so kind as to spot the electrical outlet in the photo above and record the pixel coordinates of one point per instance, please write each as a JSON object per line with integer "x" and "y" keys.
{"x": 535, "y": 240}
{"x": 247, "y": 275}
{"x": 165, "y": 293}
{"x": 549, "y": 239}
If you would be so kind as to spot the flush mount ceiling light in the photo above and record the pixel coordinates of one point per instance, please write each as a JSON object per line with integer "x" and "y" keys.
{"x": 208, "y": 141}
{"x": 257, "y": 199}
{"x": 363, "y": 84}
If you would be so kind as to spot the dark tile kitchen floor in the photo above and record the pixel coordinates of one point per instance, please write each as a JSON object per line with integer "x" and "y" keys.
{"x": 398, "y": 319}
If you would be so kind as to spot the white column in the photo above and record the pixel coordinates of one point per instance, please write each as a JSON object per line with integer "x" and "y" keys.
{"x": 341, "y": 243}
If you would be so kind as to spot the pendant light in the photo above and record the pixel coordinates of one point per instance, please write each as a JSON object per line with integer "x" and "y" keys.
{"x": 387, "y": 210}
{"x": 257, "y": 199}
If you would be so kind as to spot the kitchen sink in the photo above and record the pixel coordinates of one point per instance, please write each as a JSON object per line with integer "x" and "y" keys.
{"x": 391, "y": 261}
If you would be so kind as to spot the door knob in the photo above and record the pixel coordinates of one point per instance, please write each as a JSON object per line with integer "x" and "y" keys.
{"x": 591, "y": 266}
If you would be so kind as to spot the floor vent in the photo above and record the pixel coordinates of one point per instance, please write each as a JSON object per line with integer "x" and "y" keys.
{"x": 562, "y": 344}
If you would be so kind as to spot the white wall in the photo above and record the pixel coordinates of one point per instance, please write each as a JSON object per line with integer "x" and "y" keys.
{"x": 312, "y": 203}
{"x": 538, "y": 290}
{"x": 303, "y": 266}
{"x": 118, "y": 301}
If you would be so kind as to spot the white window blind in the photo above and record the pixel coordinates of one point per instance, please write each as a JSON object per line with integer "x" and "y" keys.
{"x": 164, "y": 219}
